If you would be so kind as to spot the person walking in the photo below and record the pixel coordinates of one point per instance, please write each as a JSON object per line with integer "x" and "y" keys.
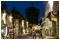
{"x": 34, "y": 34}
{"x": 40, "y": 34}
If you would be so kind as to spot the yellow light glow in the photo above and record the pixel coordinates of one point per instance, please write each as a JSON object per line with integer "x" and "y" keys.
{"x": 4, "y": 21}
{"x": 4, "y": 14}
{"x": 10, "y": 19}
{"x": 4, "y": 17}
{"x": 23, "y": 31}
{"x": 2, "y": 30}
{"x": 27, "y": 23}
{"x": 51, "y": 4}
{"x": 22, "y": 23}
{"x": 34, "y": 27}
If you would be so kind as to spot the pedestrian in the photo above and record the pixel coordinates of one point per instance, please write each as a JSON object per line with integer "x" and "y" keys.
{"x": 40, "y": 34}
{"x": 34, "y": 34}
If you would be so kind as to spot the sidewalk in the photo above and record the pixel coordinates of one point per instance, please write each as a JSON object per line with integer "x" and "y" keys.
{"x": 50, "y": 37}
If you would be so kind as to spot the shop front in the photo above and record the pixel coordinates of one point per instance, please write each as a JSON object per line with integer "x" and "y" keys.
{"x": 48, "y": 31}
{"x": 16, "y": 24}
{"x": 4, "y": 32}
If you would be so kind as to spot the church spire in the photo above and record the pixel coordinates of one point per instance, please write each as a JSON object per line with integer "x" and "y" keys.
{"x": 32, "y": 4}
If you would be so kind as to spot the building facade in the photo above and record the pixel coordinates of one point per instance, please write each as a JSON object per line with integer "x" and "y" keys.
{"x": 52, "y": 13}
{"x": 17, "y": 21}
{"x": 4, "y": 21}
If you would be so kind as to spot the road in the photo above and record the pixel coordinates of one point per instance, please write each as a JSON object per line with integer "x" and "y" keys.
{"x": 23, "y": 36}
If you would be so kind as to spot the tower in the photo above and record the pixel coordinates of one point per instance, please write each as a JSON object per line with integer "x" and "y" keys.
{"x": 32, "y": 14}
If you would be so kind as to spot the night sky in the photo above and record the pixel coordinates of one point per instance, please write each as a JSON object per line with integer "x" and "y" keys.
{"x": 22, "y": 5}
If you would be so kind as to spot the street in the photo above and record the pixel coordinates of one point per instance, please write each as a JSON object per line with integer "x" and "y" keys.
{"x": 30, "y": 20}
{"x": 30, "y": 37}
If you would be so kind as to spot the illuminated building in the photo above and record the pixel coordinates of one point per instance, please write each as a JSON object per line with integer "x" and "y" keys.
{"x": 17, "y": 21}
{"x": 4, "y": 19}
{"x": 52, "y": 13}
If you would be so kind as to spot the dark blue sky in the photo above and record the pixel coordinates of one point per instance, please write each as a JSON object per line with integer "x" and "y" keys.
{"x": 22, "y": 5}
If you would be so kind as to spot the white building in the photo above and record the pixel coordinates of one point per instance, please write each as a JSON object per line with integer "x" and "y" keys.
{"x": 52, "y": 13}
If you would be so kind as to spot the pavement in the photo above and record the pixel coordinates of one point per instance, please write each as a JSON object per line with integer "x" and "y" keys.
{"x": 50, "y": 37}
{"x": 23, "y": 36}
